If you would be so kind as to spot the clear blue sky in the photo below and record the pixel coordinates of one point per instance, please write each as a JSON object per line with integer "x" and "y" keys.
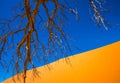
{"x": 86, "y": 34}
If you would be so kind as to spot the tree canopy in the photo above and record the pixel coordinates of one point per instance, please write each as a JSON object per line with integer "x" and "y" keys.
{"x": 33, "y": 18}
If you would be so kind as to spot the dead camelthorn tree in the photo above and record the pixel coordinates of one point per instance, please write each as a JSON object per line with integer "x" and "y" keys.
{"x": 22, "y": 35}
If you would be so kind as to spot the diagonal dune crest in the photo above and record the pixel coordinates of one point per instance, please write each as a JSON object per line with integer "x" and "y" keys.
{"x": 101, "y": 65}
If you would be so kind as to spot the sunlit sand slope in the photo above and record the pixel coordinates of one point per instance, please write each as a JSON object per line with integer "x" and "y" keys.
{"x": 101, "y": 65}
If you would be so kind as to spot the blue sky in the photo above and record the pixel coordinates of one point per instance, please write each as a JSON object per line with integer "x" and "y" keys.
{"x": 86, "y": 34}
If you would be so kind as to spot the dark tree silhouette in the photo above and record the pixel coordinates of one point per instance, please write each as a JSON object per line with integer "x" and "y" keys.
{"x": 33, "y": 18}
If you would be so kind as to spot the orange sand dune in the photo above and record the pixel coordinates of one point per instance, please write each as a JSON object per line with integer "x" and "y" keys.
{"x": 101, "y": 65}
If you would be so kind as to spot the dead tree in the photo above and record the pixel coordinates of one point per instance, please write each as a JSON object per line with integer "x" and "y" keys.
{"x": 23, "y": 38}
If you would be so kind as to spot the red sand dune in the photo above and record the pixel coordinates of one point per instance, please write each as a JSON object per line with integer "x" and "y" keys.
{"x": 101, "y": 65}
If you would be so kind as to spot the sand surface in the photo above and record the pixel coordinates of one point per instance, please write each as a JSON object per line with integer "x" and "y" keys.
{"x": 101, "y": 65}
